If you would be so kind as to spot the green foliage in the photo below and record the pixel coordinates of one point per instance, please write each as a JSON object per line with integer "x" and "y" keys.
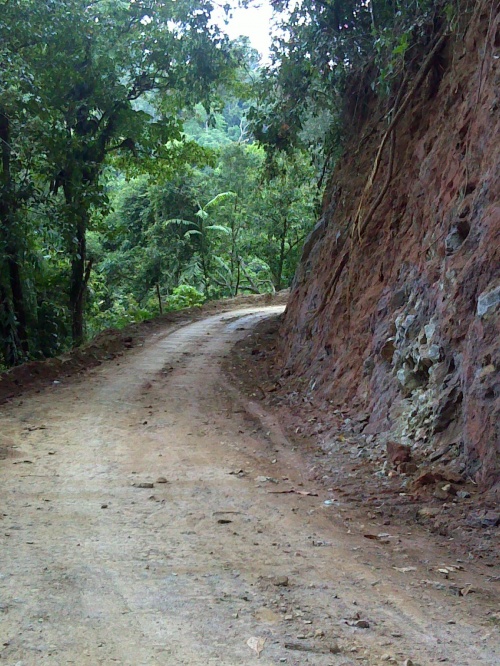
{"x": 124, "y": 310}
{"x": 288, "y": 205}
{"x": 222, "y": 229}
{"x": 329, "y": 58}
{"x": 185, "y": 296}
{"x": 84, "y": 86}
{"x": 128, "y": 168}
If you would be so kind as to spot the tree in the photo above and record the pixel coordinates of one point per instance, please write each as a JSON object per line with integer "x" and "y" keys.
{"x": 18, "y": 144}
{"x": 288, "y": 206}
{"x": 330, "y": 58}
{"x": 202, "y": 232}
{"x": 103, "y": 107}
{"x": 137, "y": 250}
{"x": 12, "y": 308}
{"x": 90, "y": 64}
{"x": 238, "y": 170}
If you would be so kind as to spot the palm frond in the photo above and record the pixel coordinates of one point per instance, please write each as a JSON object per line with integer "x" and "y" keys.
{"x": 220, "y": 197}
{"x": 218, "y": 227}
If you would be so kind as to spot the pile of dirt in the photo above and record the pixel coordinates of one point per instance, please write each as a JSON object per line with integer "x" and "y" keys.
{"x": 362, "y": 473}
{"x": 112, "y": 343}
{"x": 394, "y": 317}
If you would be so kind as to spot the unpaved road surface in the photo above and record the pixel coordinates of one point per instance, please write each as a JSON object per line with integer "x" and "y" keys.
{"x": 97, "y": 569}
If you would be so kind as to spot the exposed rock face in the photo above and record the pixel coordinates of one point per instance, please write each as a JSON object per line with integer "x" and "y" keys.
{"x": 405, "y": 321}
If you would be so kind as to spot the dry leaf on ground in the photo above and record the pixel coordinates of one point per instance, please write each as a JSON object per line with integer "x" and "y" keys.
{"x": 256, "y": 644}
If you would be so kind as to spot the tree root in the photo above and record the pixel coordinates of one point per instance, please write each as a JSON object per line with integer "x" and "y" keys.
{"x": 398, "y": 111}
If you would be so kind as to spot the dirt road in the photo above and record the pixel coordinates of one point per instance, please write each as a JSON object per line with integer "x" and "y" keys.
{"x": 99, "y": 567}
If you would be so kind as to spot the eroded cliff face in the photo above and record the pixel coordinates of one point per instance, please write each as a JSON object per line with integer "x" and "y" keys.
{"x": 404, "y": 321}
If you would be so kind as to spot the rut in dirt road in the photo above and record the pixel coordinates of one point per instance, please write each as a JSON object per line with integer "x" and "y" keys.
{"x": 152, "y": 517}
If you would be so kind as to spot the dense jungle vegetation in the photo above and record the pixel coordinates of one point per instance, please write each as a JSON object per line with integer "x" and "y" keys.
{"x": 148, "y": 162}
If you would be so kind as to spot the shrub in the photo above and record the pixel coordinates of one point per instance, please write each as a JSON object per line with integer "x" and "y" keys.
{"x": 185, "y": 296}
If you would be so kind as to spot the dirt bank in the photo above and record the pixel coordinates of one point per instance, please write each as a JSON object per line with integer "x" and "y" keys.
{"x": 395, "y": 315}
{"x": 354, "y": 471}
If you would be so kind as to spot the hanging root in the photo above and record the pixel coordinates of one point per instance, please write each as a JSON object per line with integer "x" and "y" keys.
{"x": 397, "y": 112}
{"x": 390, "y": 168}
{"x": 390, "y": 135}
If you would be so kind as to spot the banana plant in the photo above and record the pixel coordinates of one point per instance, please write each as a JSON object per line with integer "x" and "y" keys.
{"x": 204, "y": 231}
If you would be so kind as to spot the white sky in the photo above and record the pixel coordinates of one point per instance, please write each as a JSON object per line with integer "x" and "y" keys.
{"x": 254, "y": 22}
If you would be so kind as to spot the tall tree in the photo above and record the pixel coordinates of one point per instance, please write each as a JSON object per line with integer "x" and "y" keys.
{"x": 17, "y": 145}
{"x": 91, "y": 64}
{"x": 328, "y": 61}
{"x": 288, "y": 207}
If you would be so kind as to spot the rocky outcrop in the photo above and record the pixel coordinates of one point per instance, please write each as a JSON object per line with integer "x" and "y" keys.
{"x": 402, "y": 318}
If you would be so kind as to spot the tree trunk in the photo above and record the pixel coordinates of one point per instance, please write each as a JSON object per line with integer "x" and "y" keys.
{"x": 8, "y": 206}
{"x": 10, "y": 350}
{"x": 206, "y": 276}
{"x": 238, "y": 278}
{"x": 159, "y": 297}
{"x": 281, "y": 260}
{"x": 204, "y": 259}
{"x": 78, "y": 177}
{"x": 79, "y": 281}
{"x": 18, "y": 306}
